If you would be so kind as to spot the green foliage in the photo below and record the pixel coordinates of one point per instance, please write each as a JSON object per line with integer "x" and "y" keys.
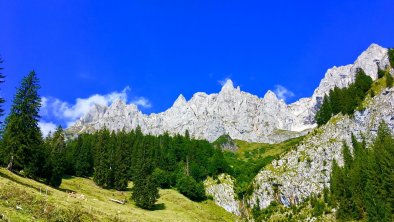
{"x": 162, "y": 178}
{"x": 362, "y": 189}
{"x": 344, "y": 100}
{"x": 55, "y": 158}
{"x": 189, "y": 187}
{"x": 391, "y": 57}
{"x": 145, "y": 193}
{"x": 389, "y": 80}
{"x": 115, "y": 159}
{"x": 381, "y": 73}
{"x": 318, "y": 206}
{"x": 2, "y": 101}
{"x": 325, "y": 112}
{"x": 250, "y": 158}
{"x": 22, "y": 141}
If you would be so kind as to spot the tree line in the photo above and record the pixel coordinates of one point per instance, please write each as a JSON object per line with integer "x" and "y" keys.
{"x": 344, "y": 100}
{"x": 363, "y": 187}
{"x": 114, "y": 159}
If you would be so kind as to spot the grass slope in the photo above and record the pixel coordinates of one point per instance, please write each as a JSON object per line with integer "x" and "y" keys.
{"x": 250, "y": 158}
{"x": 22, "y": 199}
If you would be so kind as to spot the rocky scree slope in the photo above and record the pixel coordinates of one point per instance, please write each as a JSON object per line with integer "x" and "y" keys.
{"x": 306, "y": 169}
{"x": 231, "y": 111}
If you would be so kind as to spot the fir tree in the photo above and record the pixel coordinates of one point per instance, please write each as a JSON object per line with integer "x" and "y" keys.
{"x": 391, "y": 57}
{"x": 145, "y": 191}
{"x": 121, "y": 162}
{"x": 325, "y": 112}
{"x": 56, "y": 158}
{"x": 22, "y": 136}
{"x": 389, "y": 80}
{"x": 2, "y": 101}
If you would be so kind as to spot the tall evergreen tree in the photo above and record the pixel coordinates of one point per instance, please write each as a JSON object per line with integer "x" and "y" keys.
{"x": 57, "y": 158}
{"x": 22, "y": 136}
{"x": 391, "y": 57}
{"x": 389, "y": 80}
{"x": 2, "y": 101}
{"x": 325, "y": 112}
{"x": 121, "y": 162}
{"x": 145, "y": 189}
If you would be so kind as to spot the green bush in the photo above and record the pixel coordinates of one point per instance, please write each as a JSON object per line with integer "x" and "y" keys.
{"x": 391, "y": 57}
{"x": 189, "y": 187}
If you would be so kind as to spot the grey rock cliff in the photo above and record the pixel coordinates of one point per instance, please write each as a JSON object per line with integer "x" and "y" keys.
{"x": 231, "y": 111}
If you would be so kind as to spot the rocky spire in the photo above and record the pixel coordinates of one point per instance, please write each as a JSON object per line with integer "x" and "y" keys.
{"x": 180, "y": 101}
{"x": 228, "y": 86}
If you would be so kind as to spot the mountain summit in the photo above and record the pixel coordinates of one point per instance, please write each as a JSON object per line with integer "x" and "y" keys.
{"x": 231, "y": 111}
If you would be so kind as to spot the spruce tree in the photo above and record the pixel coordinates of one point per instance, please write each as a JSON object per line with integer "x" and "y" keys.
{"x": 103, "y": 170}
{"x": 145, "y": 191}
{"x": 57, "y": 158}
{"x": 391, "y": 57}
{"x": 389, "y": 80}
{"x": 2, "y": 101}
{"x": 22, "y": 136}
{"x": 121, "y": 162}
{"x": 325, "y": 112}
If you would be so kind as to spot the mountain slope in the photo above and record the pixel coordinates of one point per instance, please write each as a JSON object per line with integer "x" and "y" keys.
{"x": 239, "y": 114}
{"x": 23, "y": 199}
{"x": 307, "y": 169}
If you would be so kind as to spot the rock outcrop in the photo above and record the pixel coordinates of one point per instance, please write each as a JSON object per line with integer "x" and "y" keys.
{"x": 307, "y": 168}
{"x": 222, "y": 192}
{"x": 234, "y": 112}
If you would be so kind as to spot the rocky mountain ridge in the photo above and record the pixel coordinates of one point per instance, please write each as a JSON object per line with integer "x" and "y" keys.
{"x": 231, "y": 111}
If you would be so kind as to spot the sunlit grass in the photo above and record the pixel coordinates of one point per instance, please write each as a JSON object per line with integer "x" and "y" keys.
{"x": 79, "y": 199}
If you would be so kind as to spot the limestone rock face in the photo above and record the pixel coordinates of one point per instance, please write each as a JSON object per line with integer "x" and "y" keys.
{"x": 306, "y": 169}
{"x": 231, "y": 111}
{"x": 222, "y": 191}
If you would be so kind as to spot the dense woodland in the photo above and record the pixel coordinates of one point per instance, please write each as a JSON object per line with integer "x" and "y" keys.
{"x": 363, "y": 187}
{"x": 114, "y": 159}
{"x": 346, "y": 100}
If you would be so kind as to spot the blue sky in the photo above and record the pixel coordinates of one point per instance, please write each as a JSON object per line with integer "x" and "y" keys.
{"x": 151, "y": 51}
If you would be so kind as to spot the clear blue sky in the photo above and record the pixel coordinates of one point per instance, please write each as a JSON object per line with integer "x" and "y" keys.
{"x": 163, "y": 48}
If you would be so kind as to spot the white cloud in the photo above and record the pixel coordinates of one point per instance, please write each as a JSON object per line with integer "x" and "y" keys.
{"x": 142, "y": 102}
{"x": 69, "y": 113}
{"x": 283, "y": 93}
{"x": 47, "y": 127}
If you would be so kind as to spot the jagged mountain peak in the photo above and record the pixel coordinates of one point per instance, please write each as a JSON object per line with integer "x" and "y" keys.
{"x": 118, "y": 104}
{"x": 228, "y": 86}
{"x": 239, "y": 114}
{"x": 270, "y": 97}
{"x": 180, "y": 101}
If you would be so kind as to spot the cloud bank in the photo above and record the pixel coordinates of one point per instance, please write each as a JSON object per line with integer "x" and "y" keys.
{"x": 283, "y": 93}
{"x": 61, "y": 111}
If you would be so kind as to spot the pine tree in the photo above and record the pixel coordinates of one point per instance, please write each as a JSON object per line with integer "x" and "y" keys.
{"x": 22, "y": 136}
{"x": 325, "y": 112}
{"x": 83, "y": 158}
{"x": 391, "y": 57}
{"x": 103, "y": 172}
{"x": 389, "y": 80}
{"x": 56, "y": 158}
{"x": 2, "y": 101}
{"x": 145, "y": 189}
{"x": 121, "y": 162}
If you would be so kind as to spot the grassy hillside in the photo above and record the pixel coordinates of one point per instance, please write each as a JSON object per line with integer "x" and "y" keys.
{"x": 256, "y": 151}
{"x": 79, "y": 199}
{"x": 250, "y": 158}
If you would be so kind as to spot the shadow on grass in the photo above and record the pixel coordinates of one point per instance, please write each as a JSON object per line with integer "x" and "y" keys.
{"x": 161, "y": 206}
{"x": 20, "y": 182}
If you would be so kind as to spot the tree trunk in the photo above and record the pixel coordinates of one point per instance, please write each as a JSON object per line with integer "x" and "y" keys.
{"x": 9, "y": 167}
